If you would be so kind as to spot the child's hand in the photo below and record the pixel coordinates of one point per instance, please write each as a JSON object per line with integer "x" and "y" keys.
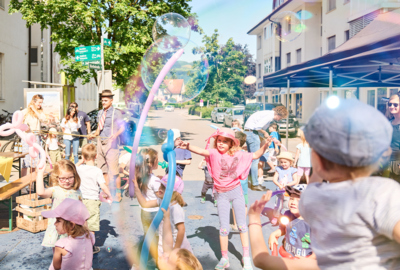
{"x": 184, "y": 145}
{"x": 258, "y": 206}
{"x": 41, "y": 170}
{"x": 166, "y": 213}
{"x": 135, "y": 183}
{"x": 271, "y": 241}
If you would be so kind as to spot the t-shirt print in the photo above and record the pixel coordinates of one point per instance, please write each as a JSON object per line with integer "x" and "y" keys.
{"x": 229, "y": 171}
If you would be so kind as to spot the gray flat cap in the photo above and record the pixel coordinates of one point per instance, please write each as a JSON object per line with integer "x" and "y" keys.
{"x": 352, "y": 133}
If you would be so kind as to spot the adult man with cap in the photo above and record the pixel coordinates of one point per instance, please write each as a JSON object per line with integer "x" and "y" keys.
{"x": 253, "y": 128}
{"x": 109, "y": 128}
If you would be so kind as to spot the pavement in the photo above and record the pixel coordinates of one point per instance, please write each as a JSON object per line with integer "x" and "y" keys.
{"x": 120, "y": 225}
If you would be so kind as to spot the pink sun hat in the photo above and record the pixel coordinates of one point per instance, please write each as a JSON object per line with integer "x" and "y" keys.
{"x": 69, "y": 209}
{"x": 179, "y": 185}
{"x": 224, "y": 132}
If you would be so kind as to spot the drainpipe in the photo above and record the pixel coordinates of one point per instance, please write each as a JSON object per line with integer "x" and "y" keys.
{"x": 287, "y": 117}
{"x": 29, "y": 55}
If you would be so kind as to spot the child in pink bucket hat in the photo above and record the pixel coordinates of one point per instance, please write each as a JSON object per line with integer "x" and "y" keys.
{"x": 227, "y": 166}
{"x": 76, "y": 250}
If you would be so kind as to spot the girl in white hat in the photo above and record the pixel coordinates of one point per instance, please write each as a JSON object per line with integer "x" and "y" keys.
{"x": 52, "y": 148}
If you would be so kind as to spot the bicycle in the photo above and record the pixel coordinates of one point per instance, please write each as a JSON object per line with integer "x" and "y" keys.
{"x": 16, "y": 139}
{"x": 7, "y": 118}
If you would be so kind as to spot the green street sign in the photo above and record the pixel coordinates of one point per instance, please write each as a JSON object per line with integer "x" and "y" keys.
{"x": 87, "y": 50}
{"x": 87, "y": 57}
{"x": 94, "y": 66}
{"x": 86, "y": 63}
{"x": 107, "y": 42}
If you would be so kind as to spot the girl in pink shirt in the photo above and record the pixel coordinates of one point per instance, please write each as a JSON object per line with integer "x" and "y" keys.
{"x": 227, "y": 166}
{"x": 76, "y": 250}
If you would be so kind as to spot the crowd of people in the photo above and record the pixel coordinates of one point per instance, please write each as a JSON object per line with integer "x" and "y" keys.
{"x": 340, "y": 218}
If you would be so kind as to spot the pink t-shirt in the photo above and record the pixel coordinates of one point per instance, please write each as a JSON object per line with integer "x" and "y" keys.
{"x": 226, "y": 170}
{"x": 80, "y": 252}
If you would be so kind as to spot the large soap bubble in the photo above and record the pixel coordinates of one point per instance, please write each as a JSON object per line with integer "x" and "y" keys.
{"x": 172, "y": 28}
{"x": 185, "y": 80}
{"x": 288, "y": 27}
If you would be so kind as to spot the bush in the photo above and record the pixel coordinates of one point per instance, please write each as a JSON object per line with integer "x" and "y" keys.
{"x": 225, "y": 104}
{"x": 192, "y": 109}
{"x": 156, "y": 103}
{"x": 206, "y": 112}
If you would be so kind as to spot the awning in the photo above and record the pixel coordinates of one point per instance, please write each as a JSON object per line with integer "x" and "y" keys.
{"x": 258, "y": 94}
{"x": 283, "y": 91}
{"x": 369, "y": 59}
{"x": 293, "y": 90}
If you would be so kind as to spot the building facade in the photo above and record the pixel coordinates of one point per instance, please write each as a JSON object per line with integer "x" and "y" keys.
{"x": 326, "y": 24}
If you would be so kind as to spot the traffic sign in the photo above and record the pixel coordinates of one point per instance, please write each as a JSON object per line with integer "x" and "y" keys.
{"x": 88, "y": 57}
{"x": 94, "y": 66}
{"x": 201, "y": 103}
{"x": 86, "y": 63}
{"x": 87, "y": 49}
{"x": 107, "y": 42}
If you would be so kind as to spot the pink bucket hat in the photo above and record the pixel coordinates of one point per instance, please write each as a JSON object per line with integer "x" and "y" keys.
{"x": 224, "y": 132}
{"x": 69, "y": 209}
{"x": 179, "y": 185}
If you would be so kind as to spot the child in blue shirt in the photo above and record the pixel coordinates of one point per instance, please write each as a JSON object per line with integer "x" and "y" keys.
{"x": 270, "y": 155}
{"x": 183, "y": 156}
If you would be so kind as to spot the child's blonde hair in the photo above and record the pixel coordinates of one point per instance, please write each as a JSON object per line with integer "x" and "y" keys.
{"x": 176, "y": 197}
{"x": 65, "y": 165}
{"x": 388, "y": 114}
{"x": 143, "y": 167}
{"x": 234, "y": 148}
{"x": 187, "y": 261}
{"x": 74, "y": 230}
{"x": 89, "y": 152}
{"x": 303, "y": 138}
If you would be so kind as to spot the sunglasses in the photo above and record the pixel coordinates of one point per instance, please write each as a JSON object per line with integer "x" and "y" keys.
{"x": 393, "y": 104}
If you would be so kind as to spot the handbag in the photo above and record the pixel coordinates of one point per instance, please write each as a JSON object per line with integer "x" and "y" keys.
{"x": 73, "y": 133}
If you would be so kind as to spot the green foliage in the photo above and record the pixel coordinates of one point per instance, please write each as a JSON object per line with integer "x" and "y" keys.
{"x": 227, "y": 104}
{"x": 157, "y": 103}
{"x": 206, "y": 112}
{"x": 176, "y": 105}
{"x": 128, "y": 23}
{"x": 192, "y": 109}
{"x": 228, "y": 67}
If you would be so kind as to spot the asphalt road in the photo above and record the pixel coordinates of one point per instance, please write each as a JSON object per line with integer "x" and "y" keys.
{"x": 120, "y": 225}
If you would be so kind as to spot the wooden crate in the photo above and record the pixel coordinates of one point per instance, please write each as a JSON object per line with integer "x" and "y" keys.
{"x": 36, "y": 206}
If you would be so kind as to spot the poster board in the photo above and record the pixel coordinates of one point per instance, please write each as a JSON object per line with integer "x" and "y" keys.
{"x": 52, "y": 102}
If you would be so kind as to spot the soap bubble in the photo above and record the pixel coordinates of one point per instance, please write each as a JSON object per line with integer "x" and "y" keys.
{"x": 184, "y": 81}
{"x": 172, "y": 28}
{"x": 250, "y": 79}
{"x": 162, "y": 134}
{"x": 288, "y": 27}
{"x": 109, "y": 249}
{"x": 304, "y": 15}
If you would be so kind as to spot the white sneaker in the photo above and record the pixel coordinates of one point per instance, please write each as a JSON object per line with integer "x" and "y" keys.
{"x": 260, "y": 180}
{"x": 247, "y": 263}
{"x": 223, "y": 263}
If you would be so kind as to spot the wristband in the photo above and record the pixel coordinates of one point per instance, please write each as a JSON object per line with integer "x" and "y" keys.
{"x": 255, "y": 223}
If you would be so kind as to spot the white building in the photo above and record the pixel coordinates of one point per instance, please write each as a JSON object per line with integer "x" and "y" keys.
{"x": 327, "y": 25}
{"x": 27, "y": 54}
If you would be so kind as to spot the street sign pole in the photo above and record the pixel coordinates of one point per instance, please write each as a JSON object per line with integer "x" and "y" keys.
{"x": 102, "y": 63}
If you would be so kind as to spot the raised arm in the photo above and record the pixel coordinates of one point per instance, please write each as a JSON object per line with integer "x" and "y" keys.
{"x": 194, "y": 149}
{"x": 41, "y": 191}
{"x": 261, "y": 151}
{"x": 184, "y": 162}
{"x": 167, "y": 238}
{"x": 141, "y": 199}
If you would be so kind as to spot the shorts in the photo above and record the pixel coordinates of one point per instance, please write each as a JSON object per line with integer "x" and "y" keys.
{"x": 268, "y": 156}
{"x": 93, "y": 206}
{"x": 107, "y": 157}
{"x": 305, "y": 170}
{"x": 55, "y": 156}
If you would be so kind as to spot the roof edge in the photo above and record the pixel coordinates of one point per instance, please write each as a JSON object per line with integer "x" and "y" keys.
{"x": 269, "y": 16}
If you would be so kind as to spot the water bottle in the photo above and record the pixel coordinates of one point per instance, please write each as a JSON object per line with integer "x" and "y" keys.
{"x": 16, "y": 147}
{"x": 20, "y": 148}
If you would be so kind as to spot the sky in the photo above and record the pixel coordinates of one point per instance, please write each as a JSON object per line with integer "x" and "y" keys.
{"x": 232, "y": 18}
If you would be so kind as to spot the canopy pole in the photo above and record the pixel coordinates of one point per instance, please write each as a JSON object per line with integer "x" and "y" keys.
{"x": 330, "y": 81}
{"x": 287, "y": 117}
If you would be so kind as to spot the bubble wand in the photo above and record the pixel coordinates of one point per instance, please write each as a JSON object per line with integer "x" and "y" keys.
{"x": 170, "y": 156}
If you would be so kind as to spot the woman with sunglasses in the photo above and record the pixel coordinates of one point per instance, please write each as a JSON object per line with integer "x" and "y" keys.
{"x": 393, "y": 114}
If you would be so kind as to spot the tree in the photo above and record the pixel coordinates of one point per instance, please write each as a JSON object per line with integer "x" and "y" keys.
{"x": 128, "y": 23}
{"x": 229, "y": 65}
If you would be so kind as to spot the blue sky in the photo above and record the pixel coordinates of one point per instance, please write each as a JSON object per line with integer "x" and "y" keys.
{"x": 232, "y": 18}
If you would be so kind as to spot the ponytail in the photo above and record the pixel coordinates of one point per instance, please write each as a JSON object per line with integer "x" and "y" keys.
{"x": 143, "y": 167}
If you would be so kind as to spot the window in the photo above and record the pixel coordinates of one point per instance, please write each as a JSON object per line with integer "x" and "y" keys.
{"x": 1, "y": 76}
{"x": 331, "y": 43}
{"x": 265, "y": 33}
{"x": 393, "y": 92}
{"x": 382, "y": 93}
{"x": 34, "y": 55}
{"x": 289, "y": 24}
{"x": 331, "y": 5}
{"x": 288, "y": 59}
{"x": 298, "y": 56}
{"x": 259, "y": 70}
{"x": 299, "y": 105}
{"x": 346, "y": 35}
{"x": 371, "y": 98}
{"x": 267, "y": 66}
{"x": 259, "y": 42}
{"x": 2, "y": 4}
